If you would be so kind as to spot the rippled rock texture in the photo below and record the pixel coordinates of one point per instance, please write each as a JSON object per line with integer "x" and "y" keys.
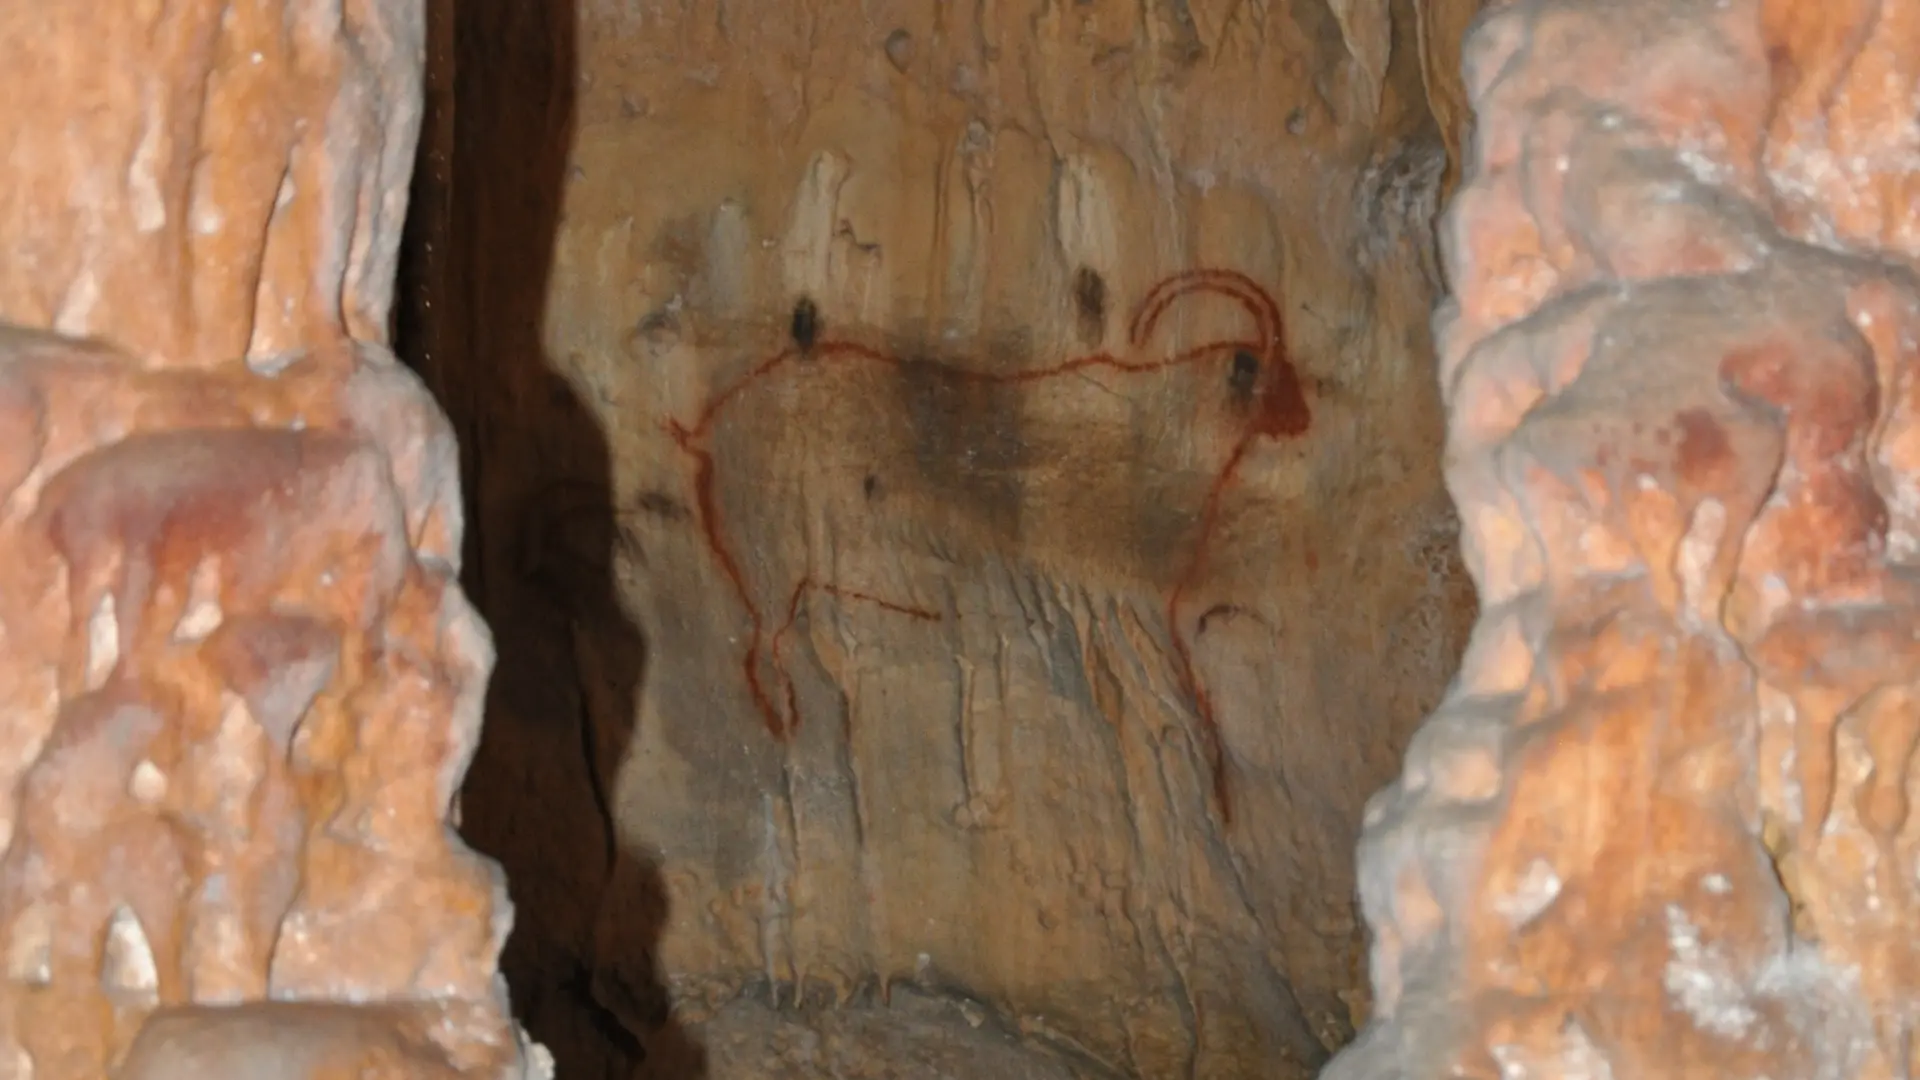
{"x": 1662, "y": 825}
{"x": 240, "y": 682}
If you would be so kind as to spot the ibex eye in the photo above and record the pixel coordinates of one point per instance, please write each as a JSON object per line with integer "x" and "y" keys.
{"x": 1246, "y": 368}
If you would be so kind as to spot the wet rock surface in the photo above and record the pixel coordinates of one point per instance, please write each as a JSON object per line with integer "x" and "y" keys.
{"x": 1661, "y": 827}
{"x": 240, "y": 681}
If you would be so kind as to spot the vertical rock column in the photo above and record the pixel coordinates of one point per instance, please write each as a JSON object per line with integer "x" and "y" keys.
{"x": 1661, "y": 827}
{"x": 239, "y": 684}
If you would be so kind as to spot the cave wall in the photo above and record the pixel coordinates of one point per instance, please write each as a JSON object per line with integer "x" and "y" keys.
{"x": 959, "y": 495}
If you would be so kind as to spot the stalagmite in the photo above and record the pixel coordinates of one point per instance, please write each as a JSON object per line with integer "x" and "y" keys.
{"x": 1661, "y": 826}
{"x": 239, "y": 679}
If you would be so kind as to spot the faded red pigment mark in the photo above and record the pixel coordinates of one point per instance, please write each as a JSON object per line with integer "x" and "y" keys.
{"x": 1280, "y": 412}
{"x": 793, "y": 614}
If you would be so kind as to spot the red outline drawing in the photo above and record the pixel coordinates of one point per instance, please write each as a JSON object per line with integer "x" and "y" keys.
{"x": 1280, "y": 412}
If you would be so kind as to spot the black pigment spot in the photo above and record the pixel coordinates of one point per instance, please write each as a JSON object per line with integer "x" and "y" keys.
{"x": 806, "y": 324}
{"x": 1090, "y": 302}
{"x": 1090, "y": 293}
{"x": 1246, "y": 370}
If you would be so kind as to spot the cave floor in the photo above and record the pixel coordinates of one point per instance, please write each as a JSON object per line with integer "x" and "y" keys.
{"x": 915, "y": 1037}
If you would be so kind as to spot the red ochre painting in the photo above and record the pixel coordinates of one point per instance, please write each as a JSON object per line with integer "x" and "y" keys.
{"x": 1259, "y": 359}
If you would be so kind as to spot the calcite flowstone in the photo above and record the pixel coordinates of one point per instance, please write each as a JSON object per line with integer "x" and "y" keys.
{"x": 1661, "y": 827}
{"x": 239, "y": 680}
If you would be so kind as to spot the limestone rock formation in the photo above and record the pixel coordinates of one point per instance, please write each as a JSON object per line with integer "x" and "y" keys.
{"x": 1662, "y": 825}
{"x": 958, "y": 487}
{"x": 240, "y": 680}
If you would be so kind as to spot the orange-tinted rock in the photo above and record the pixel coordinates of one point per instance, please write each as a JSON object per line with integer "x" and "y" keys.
{"x": 1661, "y": 826}
{"x": 202, "y": 182}
{"x": 240, "y": 684}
